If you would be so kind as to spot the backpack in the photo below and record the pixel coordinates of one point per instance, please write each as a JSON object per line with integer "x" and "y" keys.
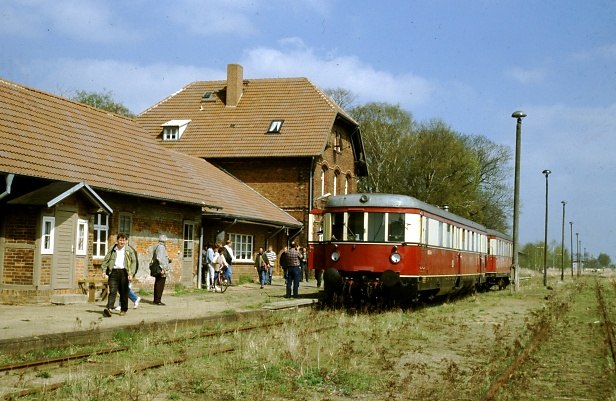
{"x": 284, "y": 260}
{"x": 155, "y": 265}
{"x": 228, "y": 257}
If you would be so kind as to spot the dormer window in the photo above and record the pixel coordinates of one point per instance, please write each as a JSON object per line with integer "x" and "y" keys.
{"x": 173, "y": 129}
{"x": 275, "y": 127}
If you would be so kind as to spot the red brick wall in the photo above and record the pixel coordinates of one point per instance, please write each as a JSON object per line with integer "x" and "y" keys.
{"x": 20, "y": 231}
{"x": 286, "y": 181}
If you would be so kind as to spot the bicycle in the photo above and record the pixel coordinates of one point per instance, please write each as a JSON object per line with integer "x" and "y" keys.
{"x": 221, "y": 282}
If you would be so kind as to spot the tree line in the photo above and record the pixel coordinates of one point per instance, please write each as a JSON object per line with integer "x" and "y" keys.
{"x": 532, "y": 254}
{"x": 432, "y": 162}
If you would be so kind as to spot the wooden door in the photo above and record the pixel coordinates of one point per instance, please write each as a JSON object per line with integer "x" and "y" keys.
{"x": 63, "y": 267}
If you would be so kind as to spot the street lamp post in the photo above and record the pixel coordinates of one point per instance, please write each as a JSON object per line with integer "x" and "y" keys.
{"x": 545, "y": 240}
{"x": 518, "y": 115}
{"x": 562, "y": 246}
{"x": 571, "y": 224}
{"x": 577, "y": 252}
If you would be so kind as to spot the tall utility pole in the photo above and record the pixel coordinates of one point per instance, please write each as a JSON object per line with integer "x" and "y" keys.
{"x": 577, "y": 252}
{"x": 562, "y": 246}
{"x": 545, "y": 241}
{"x": 518, "y": 115}
{"x": 571, "y": 224}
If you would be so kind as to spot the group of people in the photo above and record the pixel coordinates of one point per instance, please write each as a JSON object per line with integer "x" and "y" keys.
{"x": 121, "y": 264}
{"x": 217, "y": 259}
{"x": 294, "y": 264}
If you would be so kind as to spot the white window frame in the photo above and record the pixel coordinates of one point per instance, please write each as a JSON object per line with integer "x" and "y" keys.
{"x": 81, "y": 238}
{"x": 346, "y": 184}
{"x": 243, "y": 245}
{"x": 171, "y": 133}
{"x": 47, "y": 235}
{"x": 188, "y": 244}
{"x": 97, "y": 241}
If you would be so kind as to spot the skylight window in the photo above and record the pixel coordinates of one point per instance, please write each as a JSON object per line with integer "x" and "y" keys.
{"x": 275, "y": 127}
{"x": 173, "y": 129}
{"x": 208, "y": 96}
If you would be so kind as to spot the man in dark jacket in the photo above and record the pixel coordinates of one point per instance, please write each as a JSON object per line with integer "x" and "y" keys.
{"x": 119, "y": 265}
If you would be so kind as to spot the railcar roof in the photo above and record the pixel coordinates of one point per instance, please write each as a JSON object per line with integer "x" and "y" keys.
{"x": 499, "y": 234}
{"x": 396, "y": 201}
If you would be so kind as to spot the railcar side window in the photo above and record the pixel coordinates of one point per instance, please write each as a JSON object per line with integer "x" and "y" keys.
{"x": 396, "y": 227}
{"x": 376, "y": 227}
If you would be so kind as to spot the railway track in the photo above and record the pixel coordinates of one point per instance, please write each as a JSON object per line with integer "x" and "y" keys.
{"x": 571, "y": 354}
{"x": 49, "y": 374}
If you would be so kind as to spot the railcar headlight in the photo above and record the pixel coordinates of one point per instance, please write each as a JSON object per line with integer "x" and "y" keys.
{"x": 395, "y": 258}
{"x": 335, "y": 256}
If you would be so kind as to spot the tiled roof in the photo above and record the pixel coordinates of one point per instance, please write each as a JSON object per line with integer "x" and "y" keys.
{"x": 43, "y": 135}
{"x": 218, "y": 131}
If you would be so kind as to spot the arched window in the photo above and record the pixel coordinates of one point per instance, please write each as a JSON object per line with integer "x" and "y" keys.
{"x": 346, "y": 184}
{"x": 323, "y": 172}
{"x": 335, "y": 189}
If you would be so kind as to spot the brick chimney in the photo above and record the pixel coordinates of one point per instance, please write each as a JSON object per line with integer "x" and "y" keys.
{"x": 235, "y": 78}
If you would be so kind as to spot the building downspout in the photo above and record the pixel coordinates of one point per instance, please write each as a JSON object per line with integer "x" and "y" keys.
{"x": 200, "y": 263}
{"x": 9, "y": 182}
{"x": 310, "y": 196}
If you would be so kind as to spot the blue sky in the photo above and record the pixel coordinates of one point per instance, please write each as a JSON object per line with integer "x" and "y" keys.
{"x": 470, "y": 63}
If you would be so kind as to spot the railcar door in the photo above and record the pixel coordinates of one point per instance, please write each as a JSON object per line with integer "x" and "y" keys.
{"x": 316, "y": 250}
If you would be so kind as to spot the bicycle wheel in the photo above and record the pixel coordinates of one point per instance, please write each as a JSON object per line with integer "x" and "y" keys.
{"x": 223, "y": 283}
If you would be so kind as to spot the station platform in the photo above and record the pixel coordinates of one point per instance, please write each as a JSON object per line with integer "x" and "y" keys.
{"x": 27, "y": 327}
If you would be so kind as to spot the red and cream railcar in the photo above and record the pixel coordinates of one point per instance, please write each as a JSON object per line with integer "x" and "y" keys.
{"x": 383, "y": 245}
{"x": 500, "y": 259}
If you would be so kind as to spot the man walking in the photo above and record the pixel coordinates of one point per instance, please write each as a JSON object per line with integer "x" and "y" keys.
{"x": 160, "y": 253}
{"x": 271, "y": 257}
{"x": 294, "y": 272}
{"x": 119, "y": 265}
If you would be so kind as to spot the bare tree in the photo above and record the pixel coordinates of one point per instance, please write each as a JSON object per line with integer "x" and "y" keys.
{"x": 343, "y": 97}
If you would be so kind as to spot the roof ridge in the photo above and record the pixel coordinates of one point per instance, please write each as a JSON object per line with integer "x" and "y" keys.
{"x": 166, "y": 99}
{"x": 63, "y": 99}
{"x": 331, "y": 103}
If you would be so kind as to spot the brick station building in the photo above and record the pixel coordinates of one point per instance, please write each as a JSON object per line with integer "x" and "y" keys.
{"x": 72, "y": 177}
{"x": 282, "y": 136}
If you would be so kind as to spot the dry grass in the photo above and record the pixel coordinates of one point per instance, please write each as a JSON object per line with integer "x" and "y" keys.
{"x": 394, "y": 355}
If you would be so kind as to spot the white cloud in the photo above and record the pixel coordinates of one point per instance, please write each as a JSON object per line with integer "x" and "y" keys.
{"x": 526, "y": 76}
{"x": 344, "y": 71}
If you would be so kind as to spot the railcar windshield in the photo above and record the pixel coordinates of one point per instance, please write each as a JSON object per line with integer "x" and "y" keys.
{"x": 365, "y": 226}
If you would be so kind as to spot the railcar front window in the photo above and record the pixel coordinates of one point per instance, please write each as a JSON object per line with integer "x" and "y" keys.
{"x": 337, "y": 226}
{"x": 355, "y": 227}
{"x": 396, "y": 227}
{"x": 376, "y": 227}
